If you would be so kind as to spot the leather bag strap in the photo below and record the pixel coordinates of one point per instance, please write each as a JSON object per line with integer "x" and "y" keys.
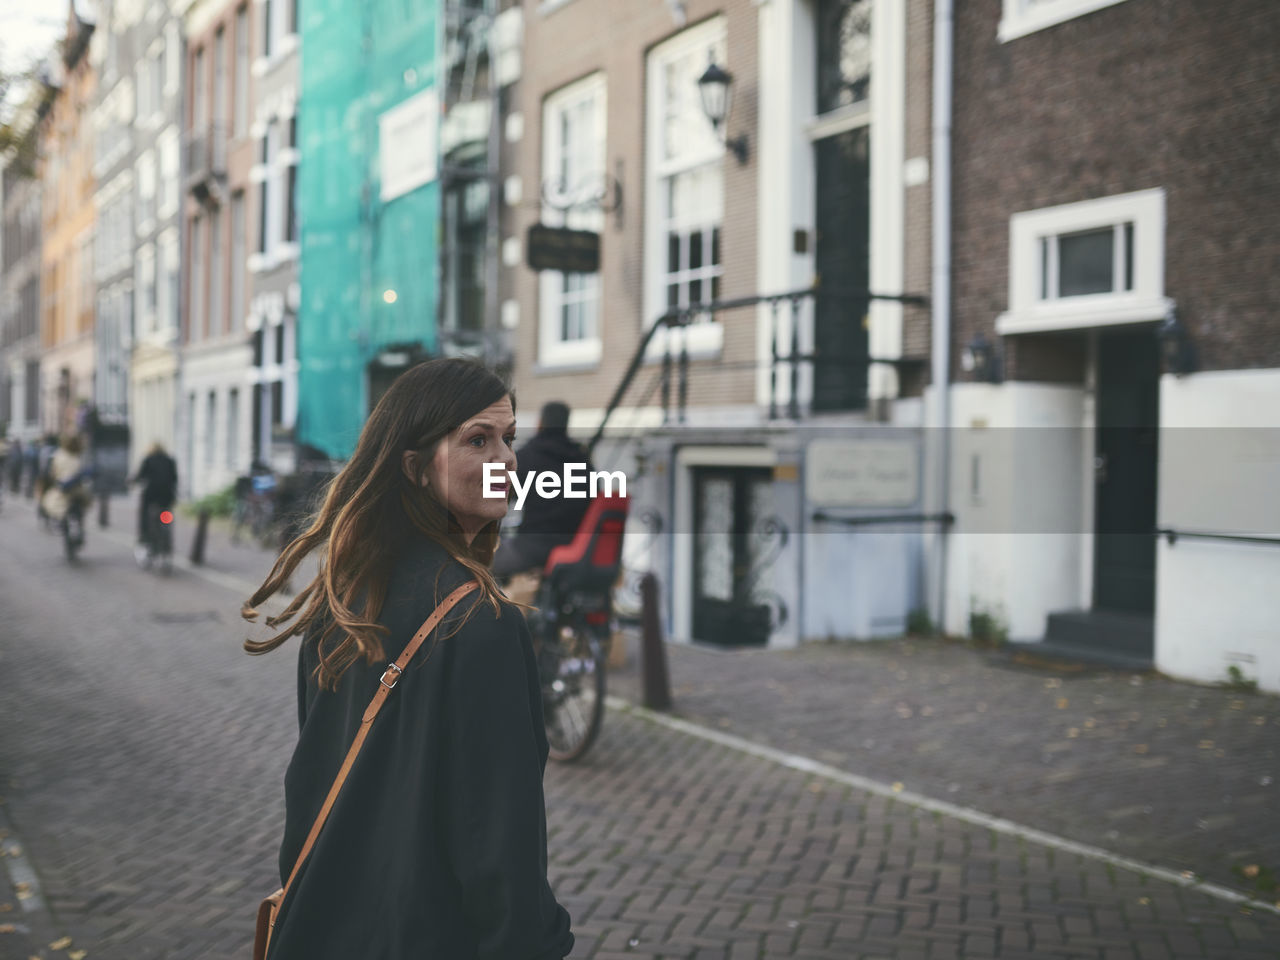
{"x": 385, "y": 685}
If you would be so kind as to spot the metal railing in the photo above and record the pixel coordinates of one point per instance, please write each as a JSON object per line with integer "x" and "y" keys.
{"x": 1173, "y": 536}
{"x": 787, "y": 357}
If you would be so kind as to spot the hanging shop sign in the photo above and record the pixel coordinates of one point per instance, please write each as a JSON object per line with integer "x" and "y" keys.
{"x": 562, "y": 249}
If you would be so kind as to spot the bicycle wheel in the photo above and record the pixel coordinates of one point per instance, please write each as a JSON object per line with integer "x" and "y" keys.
{"x": 573, "y": 691}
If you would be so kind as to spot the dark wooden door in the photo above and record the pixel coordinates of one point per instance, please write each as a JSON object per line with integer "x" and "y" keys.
{"x": 729, "y": 503}
{"x": 842, "y": 254}
{"x": 1125, "y": 465}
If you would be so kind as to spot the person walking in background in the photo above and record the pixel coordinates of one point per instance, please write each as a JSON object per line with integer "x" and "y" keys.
{"x": 14, "y": 463}
{"x": 545, "y": 522}
{"x": 436, "y": 844}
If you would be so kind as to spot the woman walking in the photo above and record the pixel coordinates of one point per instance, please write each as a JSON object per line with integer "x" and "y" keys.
{"x": 436, "y": 844}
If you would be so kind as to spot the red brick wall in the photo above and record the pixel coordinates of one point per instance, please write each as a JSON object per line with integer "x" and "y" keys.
{"x": 1146, "y": 93}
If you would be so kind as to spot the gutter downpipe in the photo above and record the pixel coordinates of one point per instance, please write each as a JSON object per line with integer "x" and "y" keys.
{"x": 943, "y": 40}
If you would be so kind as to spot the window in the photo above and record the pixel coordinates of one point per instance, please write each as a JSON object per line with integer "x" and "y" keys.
{"x": 237, "y": 259}
{"x": 155, "y": 79}
{"x": 167, "y": 282}
{"x": 217, "y": 275}
{"x": 684, "y": 205}
{"x": 220, "y": 82}
{"x": 172, "y": 59}
{"x": 146, "y": 191}
{"x": 196, "y": 327}
{"x": 573, "y": 159}
{"x": 147, "y": 286}
{"x": 211, "y": 429}
{"x": 844, "y": 53}
{"x": 199, "y": 94}
{"x": 1087, "y": 264}
{"x": 1027, "y": 16}
{"x": 169, "y": 158}
{"x": 240, "y": 103}
{"x": 291, "y": 199}
{"x": 233, "y": 428}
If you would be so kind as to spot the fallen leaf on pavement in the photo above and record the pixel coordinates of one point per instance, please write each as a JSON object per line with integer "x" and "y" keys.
{"x": 1145, "y": 901}
{"x": 1250, "y": 871}
{"x": 6, "y": 907}
{"x": 1062, "y": 703}
{"x": 60, "y": 944}
{"x": 1206, "y": 744}
{"x": 76, "y": 954}
{"x": 897, "y": 786}
{"x": 8, "y": 928}
{"x": 1073, "y": 733}
{"x": 1140, "y": 748}
{"x": 1052, "y": 683}
{"x": 1090, "y": 723}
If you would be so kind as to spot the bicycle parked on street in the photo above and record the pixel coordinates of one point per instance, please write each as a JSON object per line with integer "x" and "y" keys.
{"x": 571, "y": 623}
{"x": 254, "y": 505}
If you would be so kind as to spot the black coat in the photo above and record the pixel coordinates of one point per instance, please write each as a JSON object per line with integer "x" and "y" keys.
{"x": 436, "y": 847}
{"x": 553, "y": 520}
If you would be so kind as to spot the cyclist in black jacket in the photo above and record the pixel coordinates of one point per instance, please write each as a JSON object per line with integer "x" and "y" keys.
{"x": 545, "y": 522}
{"x": 159, "y": 476}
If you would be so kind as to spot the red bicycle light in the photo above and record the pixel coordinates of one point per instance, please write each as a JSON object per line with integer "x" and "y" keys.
{"x": 166, "y": 516}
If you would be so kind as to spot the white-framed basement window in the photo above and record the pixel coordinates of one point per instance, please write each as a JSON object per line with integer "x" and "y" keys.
{"x": 684, "y": 186}
{"x": 1027, "y": 16}
{"x": 1087, "y": 264}
{"x": 573, "y": 166}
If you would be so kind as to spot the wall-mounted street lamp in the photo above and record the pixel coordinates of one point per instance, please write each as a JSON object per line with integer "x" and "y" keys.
{"x": 1176, "y": 348}
{"x": 716, "y": 87}
{"x": 981, "y": 360}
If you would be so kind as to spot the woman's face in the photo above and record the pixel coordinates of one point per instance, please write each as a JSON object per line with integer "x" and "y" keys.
{"x": 456, "y": 472}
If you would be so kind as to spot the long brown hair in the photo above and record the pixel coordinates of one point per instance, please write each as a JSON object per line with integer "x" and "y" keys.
{"x": 371, "y": 509}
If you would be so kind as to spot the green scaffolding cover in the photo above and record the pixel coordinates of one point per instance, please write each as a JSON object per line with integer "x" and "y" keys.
{"x": 358, "y": 61}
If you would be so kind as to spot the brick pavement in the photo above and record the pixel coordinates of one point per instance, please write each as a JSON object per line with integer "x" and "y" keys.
{"x": 1165, "y": 772}
{"x": 142, "y": 754}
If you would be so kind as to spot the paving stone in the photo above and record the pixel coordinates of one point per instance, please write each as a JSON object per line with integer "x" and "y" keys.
{"x": 146, "y": 782}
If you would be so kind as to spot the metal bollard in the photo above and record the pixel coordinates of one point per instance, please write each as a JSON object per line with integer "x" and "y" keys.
{"x": 197, "y": 545}
{"x": 653, "y": 655}
{"x": 104, "y": 510}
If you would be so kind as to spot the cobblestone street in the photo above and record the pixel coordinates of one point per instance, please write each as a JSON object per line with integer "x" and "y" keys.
{"x": 142, "y": 756}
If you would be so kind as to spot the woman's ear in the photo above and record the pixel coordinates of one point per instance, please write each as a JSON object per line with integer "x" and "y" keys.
{"x": 409, "y": 465}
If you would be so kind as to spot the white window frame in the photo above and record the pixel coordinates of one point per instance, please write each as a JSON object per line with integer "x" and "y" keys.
{"x": 553, "y": 350}
{"x": 166, "y": 266}
{"x": 1022, "y": 17}
{"x": 168, "y": 147}
{"x": 704, "y": 339}
{"x": 1028, "y": 313}
{"x": 147, "y": 274}
{"x": 147, "y": 199}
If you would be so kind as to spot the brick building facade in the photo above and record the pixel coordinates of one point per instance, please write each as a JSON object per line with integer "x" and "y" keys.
{"x": 218, "y": 209}
{"x": 1115, "y": 231}
{"x": 816, "y": 180}
{"x": 67, "y": 288}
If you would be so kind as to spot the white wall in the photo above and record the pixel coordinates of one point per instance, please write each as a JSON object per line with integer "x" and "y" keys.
{"x": 1218, "y": 602}
{"x": 1017, "y": 477}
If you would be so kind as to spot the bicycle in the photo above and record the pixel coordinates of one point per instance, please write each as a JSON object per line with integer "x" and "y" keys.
{"x": 158, "y": 541}
{"x": 571, "y": 622}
